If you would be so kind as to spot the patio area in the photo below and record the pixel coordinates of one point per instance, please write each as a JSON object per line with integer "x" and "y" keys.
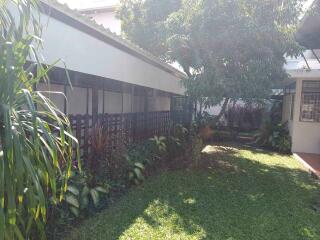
{"x": 310, "y": 161}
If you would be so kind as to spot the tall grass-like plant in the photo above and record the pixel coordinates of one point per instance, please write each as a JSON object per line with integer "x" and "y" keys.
{"x": 35, "y": 136}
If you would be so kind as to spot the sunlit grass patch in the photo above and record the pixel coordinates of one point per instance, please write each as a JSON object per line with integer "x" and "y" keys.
{"x": 261, "y": 195}
{"x": 160, "y": 221}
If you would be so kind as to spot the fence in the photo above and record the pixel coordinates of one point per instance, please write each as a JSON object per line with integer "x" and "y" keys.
{"x": 124, "y": 129}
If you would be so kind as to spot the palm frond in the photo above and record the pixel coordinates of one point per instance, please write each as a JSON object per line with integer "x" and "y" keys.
{"x": 36, "y": 141}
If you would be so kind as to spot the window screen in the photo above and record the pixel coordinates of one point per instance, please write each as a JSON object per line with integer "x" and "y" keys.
{"x": 310, "y": 101}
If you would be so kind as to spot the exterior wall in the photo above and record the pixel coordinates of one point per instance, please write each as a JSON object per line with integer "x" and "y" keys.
{"x": 84, "y": 53}
{"x": 158, "y": 102}
{"x": 108, "y": 20}
{"x": 78, "y": 100}
{"x": 286, "y": 111}
{"x": 127, "y": 106}
{"x": 162, "y": 104}
{"x": 305, "y": 135}
{"x": 112, "y": 102}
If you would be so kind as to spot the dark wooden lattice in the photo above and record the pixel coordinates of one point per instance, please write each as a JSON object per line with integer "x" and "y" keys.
{"x": 123, "y": 129}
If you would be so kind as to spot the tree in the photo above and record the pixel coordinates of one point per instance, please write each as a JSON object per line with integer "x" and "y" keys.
{"x": 230, "y": 49}
{"x": 35, "y": 136}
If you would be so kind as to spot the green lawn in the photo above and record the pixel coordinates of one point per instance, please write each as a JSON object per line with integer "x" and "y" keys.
{"x": 248, "y": 195}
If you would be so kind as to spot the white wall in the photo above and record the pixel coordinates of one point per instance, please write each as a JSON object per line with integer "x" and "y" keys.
{"x": 114, "y": 102}
{"x": 127, "y": 106}
{"x": 286, "y": 111}
{"x": 77, "y": 100}
{"x": 305, "y": 135}
{"x": 84, "y": 53}
{"x": 138, "y": 104}
{"x": 108, "y": 20}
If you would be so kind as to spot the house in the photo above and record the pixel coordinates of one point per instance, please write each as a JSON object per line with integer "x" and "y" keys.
{"x": 104, "y": 13}
{"x": 301, "y": 105}
{"x": 128, "y": 89}
{"x": 108, "y": 74}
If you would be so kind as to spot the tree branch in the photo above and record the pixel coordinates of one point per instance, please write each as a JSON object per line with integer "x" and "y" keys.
{"x": 187, "y": 71}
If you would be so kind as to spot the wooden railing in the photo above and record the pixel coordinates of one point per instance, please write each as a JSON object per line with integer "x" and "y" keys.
{"x": 124, "y": 129}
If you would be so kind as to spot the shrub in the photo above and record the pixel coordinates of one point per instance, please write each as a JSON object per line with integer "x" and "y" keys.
{"x": 35, "y": 136}
{"x": 223, "y": 136}
{"x": 83, "y": 196}
{"x": 117, "y": 170}
{"x": 179, "y": 141}
{"x": 275, "y": 136}
{"x": 97, "y": 165}
{"x": 143, "y": 156}
{"x": 244, "y": 118}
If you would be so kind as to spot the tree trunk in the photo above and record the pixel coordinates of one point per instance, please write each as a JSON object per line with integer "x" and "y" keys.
{"x": 222, "y": 111}
{"x": 200, "y": 110}
{"x": 187, "y": 71}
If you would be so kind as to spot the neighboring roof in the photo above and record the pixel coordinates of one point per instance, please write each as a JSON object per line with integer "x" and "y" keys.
{"x": 101, "y": 9}
{"x": 308, "y": 34}
{"x": 77, "y": 20}
{"x": 86, "y": 4}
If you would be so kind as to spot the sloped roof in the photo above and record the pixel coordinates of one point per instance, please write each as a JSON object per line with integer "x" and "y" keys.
{"x": 72, "y": 17}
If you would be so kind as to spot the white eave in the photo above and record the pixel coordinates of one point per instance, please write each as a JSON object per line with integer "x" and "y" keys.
{"x": 304, "y": 73}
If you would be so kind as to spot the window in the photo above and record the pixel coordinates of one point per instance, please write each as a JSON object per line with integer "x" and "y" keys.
{"x": 310, "y": 101}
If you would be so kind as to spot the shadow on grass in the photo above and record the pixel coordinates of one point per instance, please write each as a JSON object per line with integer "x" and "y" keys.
{"x": 252, "y": 200}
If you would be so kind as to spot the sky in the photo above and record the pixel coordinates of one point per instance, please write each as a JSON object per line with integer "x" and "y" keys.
{"x": 80, "y": 4}
{"x": 308, "y": 4}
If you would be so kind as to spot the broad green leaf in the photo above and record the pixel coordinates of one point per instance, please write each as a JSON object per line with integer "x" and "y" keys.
{"x": 73, "y": 189}
{"x": 72, "y": 200}
{"x": 95, "y": 197}
{"x": 75, "y": 211}
{"x": 139, "y": 165}
{"x": 101, "y": 189}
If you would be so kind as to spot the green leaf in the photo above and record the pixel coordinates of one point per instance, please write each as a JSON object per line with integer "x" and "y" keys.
{"x": 85, "y": 191}
{"x": 84, "y": 202}
{"x": 72, "y": 200}
{"x": 137, "y": 172}
{"x": 73, "y": 189}
{"x": 139, "y": 165}
{"x": 131, "y": 175}
{"x": 75, "y": 211}
{"x": 95, "y": 197}
{"x": 101, "y": 189}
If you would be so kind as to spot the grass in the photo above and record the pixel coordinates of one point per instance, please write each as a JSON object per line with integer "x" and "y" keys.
{"x": 250, "y": 194}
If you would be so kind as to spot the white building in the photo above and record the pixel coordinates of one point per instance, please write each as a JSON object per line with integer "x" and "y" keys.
{"x": 301, "y": 106}
{"x": 108, "y": 74}
{"x": 104, "y": 15}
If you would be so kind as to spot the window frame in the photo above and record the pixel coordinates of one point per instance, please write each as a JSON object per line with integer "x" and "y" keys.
{"x": 310, "y": 92}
